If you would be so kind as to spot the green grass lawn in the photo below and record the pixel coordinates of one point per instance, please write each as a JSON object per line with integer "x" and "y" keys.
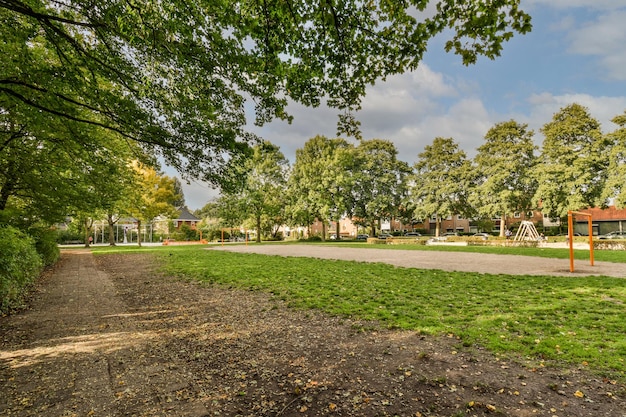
{"x": 571, "y": 320}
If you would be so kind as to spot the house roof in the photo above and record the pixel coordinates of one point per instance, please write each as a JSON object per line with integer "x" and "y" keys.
{"x": 606, "y": 214}
{"x": 185, "y": 215}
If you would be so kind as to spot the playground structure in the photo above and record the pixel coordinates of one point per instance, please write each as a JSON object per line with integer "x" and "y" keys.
{"x": 570, "y": 237}
{"x": 527, "y": 231}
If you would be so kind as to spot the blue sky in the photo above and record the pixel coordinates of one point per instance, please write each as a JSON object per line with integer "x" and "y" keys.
{"x": 575, "y": 54}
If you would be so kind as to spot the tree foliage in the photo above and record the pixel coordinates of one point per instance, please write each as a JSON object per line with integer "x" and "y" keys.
{"x": 379, "y": 184}
{"x": 505, "y": 166}
{"x": 320, "y": 180}
{"x": 615, "y": 187}
{"x": 154, "y": 195}
{"x": 573, "y": 162}
{"x": 261, "y": 194}
{"x": 439, "y": 186}
{"x": 174, "y": 76}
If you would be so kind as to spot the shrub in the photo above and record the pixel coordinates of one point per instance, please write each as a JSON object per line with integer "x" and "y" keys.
{"x": 609, "y": 244}
{"x": 46, "y": 245}
{"x": 20, "y": 266}
{"x": 312, "y": 239}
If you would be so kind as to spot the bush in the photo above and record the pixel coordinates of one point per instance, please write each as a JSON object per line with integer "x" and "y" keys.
{"x": 20, "y": 266}
{"x": 315, "y": 238}
{"x": 609, "y": 244}
{"x": 46, "y": 245}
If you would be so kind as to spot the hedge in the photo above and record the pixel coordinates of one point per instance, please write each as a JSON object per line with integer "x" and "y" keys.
{"x": 20, "y": 266}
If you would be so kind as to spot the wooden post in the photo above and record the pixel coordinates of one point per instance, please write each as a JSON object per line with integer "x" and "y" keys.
{"x": 570, "y": 237}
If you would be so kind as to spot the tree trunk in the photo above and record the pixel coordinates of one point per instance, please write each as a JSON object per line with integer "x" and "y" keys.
{"x": 258, "y": 229}
{"x": 338, "y": 231}
{"x": 111, "y": 233}
{"x": 502, "y": 225}
{"x": 138, "y": 232}
{"x": 87, "y": 225}
{"x": 437, "y": 225}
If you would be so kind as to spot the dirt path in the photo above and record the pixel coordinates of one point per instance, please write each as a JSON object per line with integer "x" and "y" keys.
{"x": 447, "y": 261}
{"x": 108, "y": 336}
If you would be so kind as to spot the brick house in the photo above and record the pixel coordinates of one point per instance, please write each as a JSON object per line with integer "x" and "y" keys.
{"x": 185, "y": 217}
{"x": 603, "y": 220}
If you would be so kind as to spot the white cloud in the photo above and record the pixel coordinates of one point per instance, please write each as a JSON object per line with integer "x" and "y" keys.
{"x": 568, "y": 4}
{"x": 603, "y": 37}
{"x": 602, "y": 108}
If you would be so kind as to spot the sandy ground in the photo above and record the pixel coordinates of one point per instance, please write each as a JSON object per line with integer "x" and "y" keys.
{"x": 447, "y": 261}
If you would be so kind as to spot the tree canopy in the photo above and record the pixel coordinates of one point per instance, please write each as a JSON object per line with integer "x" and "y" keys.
{"x": 573, "y": 162}
{"x": 379, "y": 185}
{"x": 615, "y": 187}
{"x": 175, "y": 76}
{"x": 505, "y": 166}
{"x": 439, "y": 182}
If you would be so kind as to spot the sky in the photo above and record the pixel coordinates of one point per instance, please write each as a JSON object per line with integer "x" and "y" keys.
{"x": 575, "y": 53}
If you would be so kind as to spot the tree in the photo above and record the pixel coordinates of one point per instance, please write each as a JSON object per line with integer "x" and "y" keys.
{"x": 379, "y": 184}
{"x": 319, "y": 181}
{"x": 154, "y": 196}
{"x": 439, "y": 184}
{"x": 45, "y": 179}
{"x": 262, "y": 194}
{"x": 573, "y": 162}
{"x": 174, "y": 76}
{"x": 505, "y": 166}
{"x": 615, "y": 186}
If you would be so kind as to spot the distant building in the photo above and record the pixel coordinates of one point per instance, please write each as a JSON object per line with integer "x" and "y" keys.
{"x": 603, "y": 220}
{"x": 184, "y": 216}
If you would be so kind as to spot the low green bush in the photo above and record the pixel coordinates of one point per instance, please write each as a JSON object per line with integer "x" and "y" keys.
{"x": 402, "y": 240}
{"x": 46, "y": 245}
{"x": 20, "y": 266}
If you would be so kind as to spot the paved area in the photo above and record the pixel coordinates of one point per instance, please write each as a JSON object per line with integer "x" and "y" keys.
{"x": 448, "y": 261}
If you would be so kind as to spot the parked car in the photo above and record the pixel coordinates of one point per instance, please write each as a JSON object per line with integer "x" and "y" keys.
{"x": 362, "y": 237}
{"x": 613, "y": 235}
{"x": 483, "y": 236}
{"x": 412, "y": 234}
{"x": 384, "y": 235}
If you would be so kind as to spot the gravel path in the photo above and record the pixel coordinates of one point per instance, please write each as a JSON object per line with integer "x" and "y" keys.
{"x": 447, "y": 261}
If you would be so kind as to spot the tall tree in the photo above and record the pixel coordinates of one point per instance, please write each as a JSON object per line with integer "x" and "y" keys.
{"x": 379, "y": 184}
{"x": 154, "y": 196}
{"x": 573, "y": 162}
{"x": 505, "y": 166}
{"x": 319, "y": 181}
{"x": 174, "y": 75}
{"x": 46, "y": 179}
{"x": 262, "y": 194}
{"x": 615, "y": 187}
{"x": 439, "y": 186}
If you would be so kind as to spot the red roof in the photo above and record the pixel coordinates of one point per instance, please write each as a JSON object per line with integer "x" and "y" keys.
{"x": 609, "y": 213}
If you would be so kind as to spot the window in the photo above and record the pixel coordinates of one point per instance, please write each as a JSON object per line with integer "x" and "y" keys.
{"x": 517, "y": 215}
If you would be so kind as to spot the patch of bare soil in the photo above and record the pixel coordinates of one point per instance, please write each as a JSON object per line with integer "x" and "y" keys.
{"x": 110, "y": 337}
